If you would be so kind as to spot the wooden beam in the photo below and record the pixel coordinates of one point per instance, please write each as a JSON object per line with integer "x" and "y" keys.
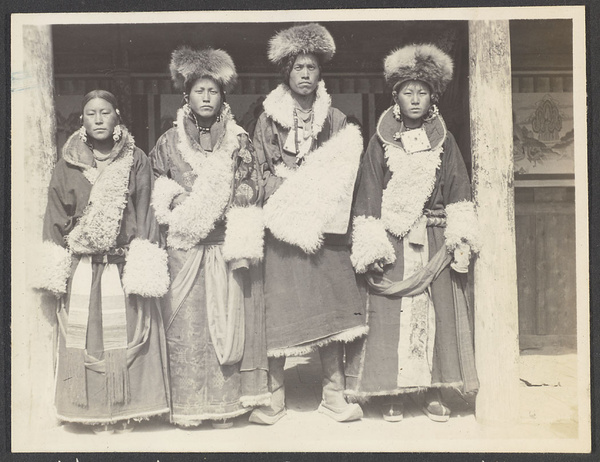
{"x": 34, "y": 154}
{"x": 496, "y": 303}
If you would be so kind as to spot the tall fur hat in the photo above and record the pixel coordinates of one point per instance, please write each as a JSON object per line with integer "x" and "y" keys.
{"x": 307, "y": 38}
{"x": 188, "y": 65}
{"x": 424, "y": 62}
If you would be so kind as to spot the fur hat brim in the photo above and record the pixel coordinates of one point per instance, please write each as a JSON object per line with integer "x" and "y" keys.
{"x": 188, "y": 65}
{"x": 308, "y": 38}
{"x": 424, "y": 62}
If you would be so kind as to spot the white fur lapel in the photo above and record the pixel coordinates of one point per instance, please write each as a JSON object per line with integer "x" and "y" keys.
{"x": 411, "y": 184}
{"x": 97, "y": 229}
{"x": 309, "y": 198}
{"x": 192, "y": 220}
{"x": 279, "y": 106}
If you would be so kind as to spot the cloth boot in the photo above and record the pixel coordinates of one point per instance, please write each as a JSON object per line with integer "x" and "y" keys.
{"x": 334, "y": 382}
{"x": 268, "y": 415}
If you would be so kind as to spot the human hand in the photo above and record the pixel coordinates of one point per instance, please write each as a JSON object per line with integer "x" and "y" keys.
{"x": 376, "y": 267}
{"x": 462, "y": 255}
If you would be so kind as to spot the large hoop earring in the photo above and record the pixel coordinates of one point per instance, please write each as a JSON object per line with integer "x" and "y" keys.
{"x": 83, "y": 134}
{"x": 117, "y": 133}
{"x": 432, "y": 112}
{"x": 397, "y": 113}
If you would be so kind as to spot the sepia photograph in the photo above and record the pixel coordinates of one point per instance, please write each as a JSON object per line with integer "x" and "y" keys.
{"x": 350, "y": 230}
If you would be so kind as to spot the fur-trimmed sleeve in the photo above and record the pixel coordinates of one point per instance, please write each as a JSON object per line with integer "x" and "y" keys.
{"x": 462, "y": 225}
{"x": 146, "y": 271}
{"x": 370, "y": 242}
{"x": 244, "y": 234}
{"x": 165, "y": 189}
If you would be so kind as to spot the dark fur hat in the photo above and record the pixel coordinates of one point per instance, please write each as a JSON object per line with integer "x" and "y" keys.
{"x": 308, "y": 38}
{"x": 424, "y": 62}
{"x": 188, "y": 65}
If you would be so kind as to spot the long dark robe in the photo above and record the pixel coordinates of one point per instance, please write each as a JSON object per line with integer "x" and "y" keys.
{"x": 311, "y": 299}
{"x": 373, "y": 362}
{"x": 147, "y": 368}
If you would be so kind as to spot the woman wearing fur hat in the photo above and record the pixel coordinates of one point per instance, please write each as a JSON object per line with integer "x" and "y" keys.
{"x": 414, "y": 229}
{"x": 100, "y": 258}
{"x": 207, "y": 199}
{"x": 311, "y": 296}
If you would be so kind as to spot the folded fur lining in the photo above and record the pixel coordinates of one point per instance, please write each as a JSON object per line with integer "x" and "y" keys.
{"x": 165, "y": 190}
{"x": 370, "y": 243}
{"x": 462, "y": 226}
{"x": 256, "y": 400}
{"x": 146, "y": 271}
{"x": 53, "y": 268}
{"x": 244, "y": 234}
{"x": 299, "y": 210}
{"x": 300, "y": 350}
{"x": 193, "y": 219}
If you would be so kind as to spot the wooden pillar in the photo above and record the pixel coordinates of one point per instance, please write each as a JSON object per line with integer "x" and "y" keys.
{"x": 33, "y": 154}
{"x": 496, "y": 311}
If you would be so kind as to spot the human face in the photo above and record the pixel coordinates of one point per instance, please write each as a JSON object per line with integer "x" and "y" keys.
{"x": 99, "y": 119}
{"x": 305, "y": 73}
{"x": 205, "y": 99}
{"x": 414, "y": 99}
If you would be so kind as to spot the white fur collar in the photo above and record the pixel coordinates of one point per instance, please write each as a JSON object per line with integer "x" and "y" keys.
{"x": 413, "y": 174}
{"x": 98, "y": 228}
{"x": 279, "y": 106}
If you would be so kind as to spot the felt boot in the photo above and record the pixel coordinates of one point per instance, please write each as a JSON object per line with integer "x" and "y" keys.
{"x": 333, "y": 403}
{"x": 268, "y": 415}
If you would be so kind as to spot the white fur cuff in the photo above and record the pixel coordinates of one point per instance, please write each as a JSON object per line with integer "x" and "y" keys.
{"x": 462, "y": 226}
{"x": 165, "y": 190}
{"x": 146, "y": 272}
{"x": 53, "y": 268}
{"x": 244, "y": 235}
{"x": 370, "y": 243}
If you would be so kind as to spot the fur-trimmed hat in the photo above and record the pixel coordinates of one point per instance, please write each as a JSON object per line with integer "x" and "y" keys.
{"x": 188, "y": 65}
{"x": 424, "y": 62}
{"x": 307, "y": 38}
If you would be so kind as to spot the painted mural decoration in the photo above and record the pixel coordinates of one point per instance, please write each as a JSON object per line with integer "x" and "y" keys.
{"x": 543, "y": 133}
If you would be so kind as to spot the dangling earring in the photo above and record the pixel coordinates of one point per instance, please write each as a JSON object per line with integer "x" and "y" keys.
{"x": 432, "y": 112}
{"x": 117, "y": 133}
{"x": 397, "y": 113}
{"x": 83, "y": 134}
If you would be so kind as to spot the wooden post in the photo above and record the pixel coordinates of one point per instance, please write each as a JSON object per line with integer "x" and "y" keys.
{"x": 496, "y": 308}
{"x": 33, "y": 154}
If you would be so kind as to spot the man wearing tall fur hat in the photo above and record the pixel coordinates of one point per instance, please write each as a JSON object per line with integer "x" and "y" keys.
{"x": 414, "y": 230}
{"x": 207, "y": 198}
{"x": 309, "y": 157}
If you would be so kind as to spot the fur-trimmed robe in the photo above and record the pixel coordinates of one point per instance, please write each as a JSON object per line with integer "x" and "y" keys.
{"x": 143, "y": 271}
{"x": 221, "y": 214}
{"x": 394, "y": 190}
{"x": 311, "y": 294}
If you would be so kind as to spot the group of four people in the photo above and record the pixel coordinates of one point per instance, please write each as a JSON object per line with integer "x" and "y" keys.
{"x": 186, "y": 277}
